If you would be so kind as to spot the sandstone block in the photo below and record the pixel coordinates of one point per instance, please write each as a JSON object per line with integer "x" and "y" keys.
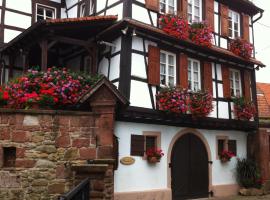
{"x": 81, "y": 142}
{"x": 30, "y": 120}
{"x": 71, "y": 154}
{"x": 45, "y": 164}
{"x": 87, "y": 153}
{"x": 57, "y": 188}
{"x": 63, "y": 141}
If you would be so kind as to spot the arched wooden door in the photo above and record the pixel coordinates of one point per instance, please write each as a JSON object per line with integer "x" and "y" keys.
{"x": 189, "y": 168}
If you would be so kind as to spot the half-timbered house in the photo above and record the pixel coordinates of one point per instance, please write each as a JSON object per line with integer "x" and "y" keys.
{"x": 121, "y": 39}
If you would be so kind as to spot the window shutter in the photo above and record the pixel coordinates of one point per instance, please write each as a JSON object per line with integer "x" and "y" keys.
{"x": 245, "y": 26}
{"x": 247, "y": 85}
{"x": 182, "y": 8}
{"x": 137, "y": 145}
{"x": 116, "y": 151}
{"x": 209, "y": 13}
{"x": 152, "y": 5}
{"x": 153, "y": 65}
{"x": 183, "y": 76}
{"x": 208, "y": 84}
{"x": 221, "y": 146}
{"x": 226, "y": 81}
{"x": 224, "y": 12}
{"x": 232, "y": 146}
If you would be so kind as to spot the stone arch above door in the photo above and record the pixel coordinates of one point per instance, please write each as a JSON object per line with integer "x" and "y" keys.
{"x": 203, "y": 139}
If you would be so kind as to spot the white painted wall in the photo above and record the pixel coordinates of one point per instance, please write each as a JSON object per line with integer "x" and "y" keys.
{"x": 141, "y": 176}
{"x": 115, "y": 67}
{"x": 10, "y": 34}
{"x": 18, "y": 20}
{"x": 139, "y": 94}
{"x": 21, "y": 5}
{"x": 72, "y": 13}
{"x": 139, "y": 13}
{"x": 116, "y": 10}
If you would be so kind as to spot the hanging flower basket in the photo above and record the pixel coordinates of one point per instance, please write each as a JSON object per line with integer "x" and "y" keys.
{"x": 241, "y": 48}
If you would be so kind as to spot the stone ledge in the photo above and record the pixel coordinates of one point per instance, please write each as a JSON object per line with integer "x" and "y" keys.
{"x": 90, "y": 168}
{"x": 45, "y": 112}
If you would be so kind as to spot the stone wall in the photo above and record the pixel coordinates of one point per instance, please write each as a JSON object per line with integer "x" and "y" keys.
{"x": 258, "y": 149}
{"x": 52, "y": 149}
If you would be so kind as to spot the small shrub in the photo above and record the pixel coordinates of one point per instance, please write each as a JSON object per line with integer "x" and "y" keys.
{"x": 248, "y": 173}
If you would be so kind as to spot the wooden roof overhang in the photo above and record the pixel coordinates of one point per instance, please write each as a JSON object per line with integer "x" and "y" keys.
{"x": 245, "y": 6}
{"x": 69, "y": 30}
{"x": 214, "y": 53}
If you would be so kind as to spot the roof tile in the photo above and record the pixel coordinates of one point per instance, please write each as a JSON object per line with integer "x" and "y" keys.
{"x": 263, "y": 97}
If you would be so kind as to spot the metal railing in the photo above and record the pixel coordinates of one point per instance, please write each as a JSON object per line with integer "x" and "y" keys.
{"x": 80, "y": 192}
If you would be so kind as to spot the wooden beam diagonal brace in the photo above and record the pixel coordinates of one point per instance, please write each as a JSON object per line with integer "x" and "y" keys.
{"x": 73, "y": 41}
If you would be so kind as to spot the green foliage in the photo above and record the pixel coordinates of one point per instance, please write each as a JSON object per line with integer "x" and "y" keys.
{"x": 248, "y": 173}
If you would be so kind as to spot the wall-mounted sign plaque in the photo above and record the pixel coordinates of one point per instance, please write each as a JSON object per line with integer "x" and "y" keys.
{"x": 127, "y": 160}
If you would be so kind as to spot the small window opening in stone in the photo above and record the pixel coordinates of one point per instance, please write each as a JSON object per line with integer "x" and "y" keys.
{"x": 9, "y": 156}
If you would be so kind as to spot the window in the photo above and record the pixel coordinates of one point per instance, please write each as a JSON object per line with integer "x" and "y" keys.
{"x": 9, "y": 156}
{"x": 167, "y": 6}
{"x": 235, "y": 83}
{"x": 86, "y": 7}
{"x": 91, "y": 7}
{"x": 82, "y": 10}
{"x": 234, "y": 24}
{"x": 194, "y": 75}
{"x": 194, "y": 10}
{"x": 44, "y": 12}
{"x": 224, "y": 143}
{"x": 140, "y": 143}
{"x": 167, "y": 68}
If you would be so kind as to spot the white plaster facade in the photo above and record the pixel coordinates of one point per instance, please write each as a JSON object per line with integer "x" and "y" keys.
{"x": 141, "y": 176}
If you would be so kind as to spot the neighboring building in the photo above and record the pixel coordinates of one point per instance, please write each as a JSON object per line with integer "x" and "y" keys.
{"x": 139, "y": 59}
{"x": 260, "y": 148}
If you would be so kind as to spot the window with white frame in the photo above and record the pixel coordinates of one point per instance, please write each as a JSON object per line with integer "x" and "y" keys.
{"x": 82, "y": 10}
{"x": 167, "y": 6}
{"x": 235, "y": 83}
{"x": 234, "y": 24}
{"x": 194, "y": 74}
{"x": 167, "y": 68}
{"x": 45, "y": 12}
{"x": 194, "y": 10}
{"x": 91, "y": 7}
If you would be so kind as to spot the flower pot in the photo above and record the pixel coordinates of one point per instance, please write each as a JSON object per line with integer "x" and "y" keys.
{"x": 153, "y": 159}
{"x": 224, "y": 160}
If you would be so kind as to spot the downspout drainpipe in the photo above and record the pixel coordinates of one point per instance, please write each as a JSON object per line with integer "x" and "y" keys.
{"x": 253, "y": 22}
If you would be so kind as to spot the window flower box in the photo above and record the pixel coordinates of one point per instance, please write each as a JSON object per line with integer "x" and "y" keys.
{"x": 154, "y": 155}
{"x": 182, "y": 101}
{"x": 174, "y": 26}
{"x": 226, "y": 156}
{"x": 201, "y": 34}
{"x": 56, "y": 88}
{"x": 241, "y": 48}
{"x": 198, "y": 32}
{"x": 243, "y": 110}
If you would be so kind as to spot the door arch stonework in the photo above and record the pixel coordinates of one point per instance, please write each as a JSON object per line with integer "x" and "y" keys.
{"x": 204, "y": 141}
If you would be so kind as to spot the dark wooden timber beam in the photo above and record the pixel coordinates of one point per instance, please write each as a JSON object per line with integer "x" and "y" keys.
{"x": 44, "y": 54}
{"x": 11, "y": 66}
{"x": 73, "y": 41}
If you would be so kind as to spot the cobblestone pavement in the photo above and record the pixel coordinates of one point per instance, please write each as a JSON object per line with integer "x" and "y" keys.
{"x": 265, "y": 197}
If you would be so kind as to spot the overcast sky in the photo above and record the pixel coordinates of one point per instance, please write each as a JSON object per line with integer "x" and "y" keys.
{"x": 262, "y": 41}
